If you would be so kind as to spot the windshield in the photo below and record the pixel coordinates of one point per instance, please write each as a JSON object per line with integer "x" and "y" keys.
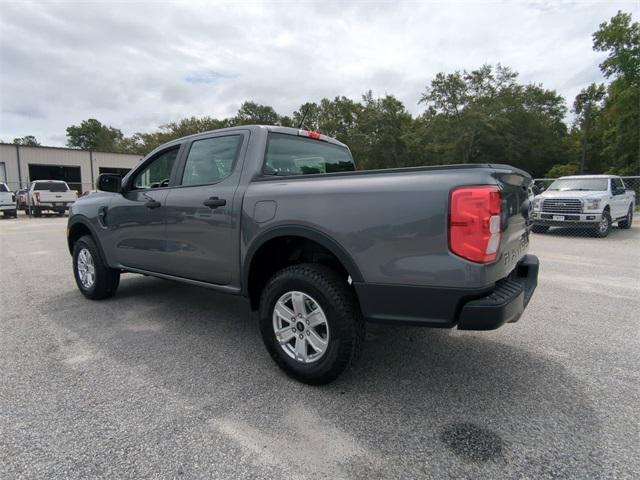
{"x": 51, "y": 186}
{"x": 580, "y": 184}
{"x": 290, "y": 155}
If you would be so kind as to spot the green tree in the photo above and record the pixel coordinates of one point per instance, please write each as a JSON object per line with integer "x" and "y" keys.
{"x": 486, "y": 116}
{"x": 27, "y": 140}
{"x": 620, "y": 38}
{"x": 93, "y": 135}
{"x": 562, "y": 170}
{"x": 254, "y": 113}
{"x": 588, "y": 107}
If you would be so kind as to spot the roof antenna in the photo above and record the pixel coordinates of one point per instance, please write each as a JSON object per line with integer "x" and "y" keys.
{"x": 304, "y": 115}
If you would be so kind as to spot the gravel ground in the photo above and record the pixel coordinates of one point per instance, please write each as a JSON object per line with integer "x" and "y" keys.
{"x": 170, "y": 381}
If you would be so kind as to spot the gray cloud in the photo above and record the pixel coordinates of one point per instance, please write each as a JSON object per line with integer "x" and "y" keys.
{"x": 138, "y": 65}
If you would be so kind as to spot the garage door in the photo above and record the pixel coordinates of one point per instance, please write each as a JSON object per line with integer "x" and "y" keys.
{"x": 71, "y": 175}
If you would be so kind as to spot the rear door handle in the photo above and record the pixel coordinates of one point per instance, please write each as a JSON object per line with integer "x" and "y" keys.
{"x": 215, "y": 202}
{"x": 151, "y": 204}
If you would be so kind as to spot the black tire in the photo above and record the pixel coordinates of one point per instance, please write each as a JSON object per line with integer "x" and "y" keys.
{"x": 106, "y": 279}
{"x": 61, "y": 214}
{"x": 338, "y": 302}
{"x": 602, "y": 229}
{"x": 626, "y": 223}
{"x": 37, "y": 212}
{"x": 539, "y": 229}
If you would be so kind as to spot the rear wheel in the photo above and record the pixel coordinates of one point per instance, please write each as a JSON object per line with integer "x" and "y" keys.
{"x": 311, "y": 323}
{"x": 628, "y": 220}
{"x": 539, "y": 229}
{"x": 604, "y": 226}
{"x": 37, "y": 212}
{"x": 94, "y": 278}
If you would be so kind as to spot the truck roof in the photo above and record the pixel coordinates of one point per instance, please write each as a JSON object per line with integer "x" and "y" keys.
{"x": 253, "y": 128}
{"x": 590, "y": 176}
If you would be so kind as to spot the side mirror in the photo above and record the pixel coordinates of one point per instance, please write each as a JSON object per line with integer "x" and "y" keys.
{"x": 109, "y": 182}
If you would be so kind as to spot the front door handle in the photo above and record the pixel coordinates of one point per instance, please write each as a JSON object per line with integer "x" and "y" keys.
{"x": 151, "y": 204}
{"x": 215, "y": 202}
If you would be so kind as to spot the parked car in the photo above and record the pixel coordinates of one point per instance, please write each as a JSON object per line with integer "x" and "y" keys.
{"x": 21, "y": 199}
{"x": 7, "y": 201}
{"x": 585, "y": 201}
{"x": 50, "y": 195}
{"x": 280, "y": 216}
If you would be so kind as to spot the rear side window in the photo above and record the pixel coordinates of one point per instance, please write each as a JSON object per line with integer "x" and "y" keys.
{"x": 290, "y": 155}
{"x": 211, "y": 160}
{"x": 51, "y": 186}
{"x": 3, "y": 188}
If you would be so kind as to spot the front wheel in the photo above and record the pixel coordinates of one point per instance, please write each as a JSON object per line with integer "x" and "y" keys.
{"x": 311, "y": 323}
{"x": 604, "y": 226}
{"x": 94, "y": 278}
{"x": 628, "y": 220}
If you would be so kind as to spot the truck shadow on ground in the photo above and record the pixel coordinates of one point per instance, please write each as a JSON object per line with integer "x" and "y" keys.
{"x": 416, "y": 397}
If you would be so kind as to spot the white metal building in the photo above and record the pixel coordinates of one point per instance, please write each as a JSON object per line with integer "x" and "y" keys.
{"x": 79, "y": 168}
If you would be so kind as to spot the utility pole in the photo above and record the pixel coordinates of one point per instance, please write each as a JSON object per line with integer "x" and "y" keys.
{"x": 585, "y": 134}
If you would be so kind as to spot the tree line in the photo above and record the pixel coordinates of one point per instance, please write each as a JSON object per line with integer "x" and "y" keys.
{"x": 483, "y": 115}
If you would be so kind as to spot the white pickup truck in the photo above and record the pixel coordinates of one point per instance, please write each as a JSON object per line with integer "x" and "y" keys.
{"x": 585, "y": 201}
{"x": 51, "y": 195}
{"x": 7, "y": 201}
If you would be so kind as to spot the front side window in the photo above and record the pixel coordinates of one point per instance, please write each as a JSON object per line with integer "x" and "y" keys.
{"x": 3, "y": 188}
{"x": 290, "y": 155}
{"x": 158, "y": 172}
{"x": 211, "y": 159}
{"x": 616, "y": 184}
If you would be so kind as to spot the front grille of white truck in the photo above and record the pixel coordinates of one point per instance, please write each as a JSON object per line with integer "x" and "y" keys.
{"x": 562, "y": 205}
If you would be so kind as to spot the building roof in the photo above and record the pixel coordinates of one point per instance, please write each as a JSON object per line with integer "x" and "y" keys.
{"x": 72, "y": 149}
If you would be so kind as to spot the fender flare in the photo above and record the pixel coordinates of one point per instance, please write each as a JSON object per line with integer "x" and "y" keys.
{"x": 84, "y": 221}
{"x": 298, "y": 231}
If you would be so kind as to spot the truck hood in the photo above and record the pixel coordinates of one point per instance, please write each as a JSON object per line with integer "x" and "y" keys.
{"x": 572, "y": 194}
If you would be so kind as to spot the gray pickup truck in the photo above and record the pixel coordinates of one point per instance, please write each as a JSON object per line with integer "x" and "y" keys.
{"x": 282, "y": 217}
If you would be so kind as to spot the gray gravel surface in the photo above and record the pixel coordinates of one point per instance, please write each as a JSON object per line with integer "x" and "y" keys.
{"x": 170, "y": 381}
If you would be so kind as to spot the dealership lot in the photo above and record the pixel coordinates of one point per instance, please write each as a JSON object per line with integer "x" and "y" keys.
{"x": 166, "y": 380}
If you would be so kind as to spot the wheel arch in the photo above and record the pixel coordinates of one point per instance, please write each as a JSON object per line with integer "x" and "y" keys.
{"x": 310, "y": 236}
{"x": 79, "y": 227}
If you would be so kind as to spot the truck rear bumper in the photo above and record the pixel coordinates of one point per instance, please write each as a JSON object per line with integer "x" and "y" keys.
{"x": 469, "y": 309}
{"x": 506, "y": 302}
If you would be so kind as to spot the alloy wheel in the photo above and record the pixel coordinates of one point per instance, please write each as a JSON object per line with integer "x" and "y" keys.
{"x": 86, "y": 268}
{"x": 300, "y": 326}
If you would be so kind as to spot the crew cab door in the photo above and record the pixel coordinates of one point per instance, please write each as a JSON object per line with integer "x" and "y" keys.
{"x": 136, "y": 218}
{"x": 203, "y": 210}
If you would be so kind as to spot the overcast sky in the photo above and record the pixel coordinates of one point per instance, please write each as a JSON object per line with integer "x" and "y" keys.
{"x": 138, "y": 65}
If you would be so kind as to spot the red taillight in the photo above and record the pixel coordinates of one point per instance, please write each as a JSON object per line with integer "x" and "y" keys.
{"x": 474, "y": 222}
{"x": 37, "y": 195}
{"x": 310, "y": 134}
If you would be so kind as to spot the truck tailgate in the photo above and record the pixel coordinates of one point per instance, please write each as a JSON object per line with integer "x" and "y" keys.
{"x": 517, "y": 205}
